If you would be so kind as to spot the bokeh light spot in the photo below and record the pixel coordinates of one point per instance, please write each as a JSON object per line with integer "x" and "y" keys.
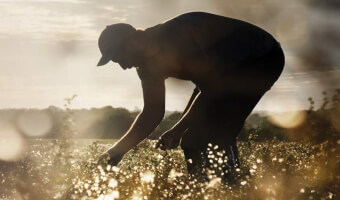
{"x": 11, "y": 143}
{"x": 285, "y": 112}
{"x": 35, "y": 123}
{"x": 289, "y": 119}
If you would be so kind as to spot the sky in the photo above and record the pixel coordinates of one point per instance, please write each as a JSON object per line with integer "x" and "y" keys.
{"x": 48, "y": 50}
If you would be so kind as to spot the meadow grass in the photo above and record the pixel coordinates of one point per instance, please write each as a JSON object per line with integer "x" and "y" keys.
{"x": 67, "y": 169}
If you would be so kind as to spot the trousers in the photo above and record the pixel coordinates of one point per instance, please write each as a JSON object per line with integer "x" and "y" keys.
{"x": 218, "y": 117}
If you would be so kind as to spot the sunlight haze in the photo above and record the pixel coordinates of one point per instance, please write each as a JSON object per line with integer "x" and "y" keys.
{"x": 49, "y": 50}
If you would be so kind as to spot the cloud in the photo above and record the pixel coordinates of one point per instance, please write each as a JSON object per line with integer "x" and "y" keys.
{"x": 41, "y": 1}
{"x": 56, "y": 20}
{"x": 32, "y": 21}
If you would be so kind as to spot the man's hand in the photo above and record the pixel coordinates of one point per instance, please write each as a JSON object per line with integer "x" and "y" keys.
{"x": 107, "y": 159}
{"x": 169, "y": 140}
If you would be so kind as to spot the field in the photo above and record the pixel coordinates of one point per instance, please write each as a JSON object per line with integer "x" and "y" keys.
{"x": 67, "y": 169}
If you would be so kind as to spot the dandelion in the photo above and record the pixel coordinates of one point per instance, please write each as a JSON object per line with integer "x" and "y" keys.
{"x": 115, "y": 169}
{"x": 213, "y": 183}
{"x": 159, "y": 157}
{"x": 137, "y": 197}
{"x": 112, "y": 183}
{"x": 243, "y": 182}
{"x": 147, "y": 177}
{"x": 174, "y": 174}
{"x": 330, "y": 195}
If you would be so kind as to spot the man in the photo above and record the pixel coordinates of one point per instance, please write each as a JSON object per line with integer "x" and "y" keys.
{"x": 231, "y": 62}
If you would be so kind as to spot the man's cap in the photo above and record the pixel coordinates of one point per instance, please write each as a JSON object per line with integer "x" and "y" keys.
{"x": 111, "y": 40}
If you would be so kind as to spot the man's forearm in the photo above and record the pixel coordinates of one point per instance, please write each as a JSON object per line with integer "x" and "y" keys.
{"x": 143, "y": 125}
{"x": 181, "y": 126}
{"x": 191, "y": 100}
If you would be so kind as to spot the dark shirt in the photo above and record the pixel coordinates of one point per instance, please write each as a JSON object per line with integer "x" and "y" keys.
{"x": 203, "y": 47}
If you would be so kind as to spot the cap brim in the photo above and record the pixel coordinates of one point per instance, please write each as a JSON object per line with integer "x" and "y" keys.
{"x": 104, "y": 60}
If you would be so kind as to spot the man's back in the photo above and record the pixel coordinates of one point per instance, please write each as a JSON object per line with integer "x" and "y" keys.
{"x": 200, "y": 46}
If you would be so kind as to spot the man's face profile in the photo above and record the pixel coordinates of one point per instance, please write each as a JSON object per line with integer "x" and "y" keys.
{"x": 122, "y": 60}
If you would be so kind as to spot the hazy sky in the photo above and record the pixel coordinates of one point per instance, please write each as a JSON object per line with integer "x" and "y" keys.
{"x": 48, "y": 50}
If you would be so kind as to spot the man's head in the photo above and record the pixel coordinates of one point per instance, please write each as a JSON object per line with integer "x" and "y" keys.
{"x": 116, "y": 43}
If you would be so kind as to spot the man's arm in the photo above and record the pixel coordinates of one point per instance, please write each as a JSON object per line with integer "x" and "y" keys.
{"x": 146, "y": 121}
{"x": 181, "y": 129}
{"x": 192, "y": 98}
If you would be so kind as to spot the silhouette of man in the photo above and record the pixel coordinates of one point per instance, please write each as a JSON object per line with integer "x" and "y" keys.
{"x": 231, "y": 62}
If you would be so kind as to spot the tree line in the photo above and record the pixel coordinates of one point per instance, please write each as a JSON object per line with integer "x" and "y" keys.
{"x": 107, "y": 122}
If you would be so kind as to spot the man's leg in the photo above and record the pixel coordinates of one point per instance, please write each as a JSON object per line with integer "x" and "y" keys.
{"x": 218, "y": 119}
{"x": 209, "y": 144}
{"x": 212, "y": 161}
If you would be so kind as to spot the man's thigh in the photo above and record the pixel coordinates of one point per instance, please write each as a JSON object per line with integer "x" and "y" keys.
{"x": 220, "y": 115}
{"x": 219, "y": 118}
